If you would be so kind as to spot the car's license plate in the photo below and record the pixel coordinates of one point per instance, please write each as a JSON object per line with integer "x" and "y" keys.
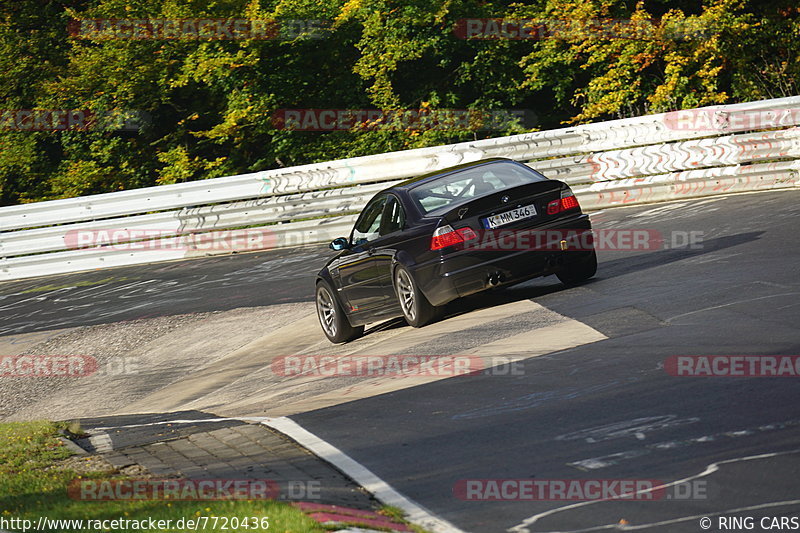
{"x": 508, "y": 217}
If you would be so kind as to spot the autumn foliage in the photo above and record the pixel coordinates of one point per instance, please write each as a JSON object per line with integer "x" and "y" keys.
{"x": 180, "y": 108}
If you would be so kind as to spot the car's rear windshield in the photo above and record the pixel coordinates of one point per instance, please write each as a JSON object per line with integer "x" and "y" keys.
{"x": 450, "y": 190}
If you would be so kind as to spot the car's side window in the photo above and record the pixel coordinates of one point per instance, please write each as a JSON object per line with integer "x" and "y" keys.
{"x": 368, "y": 226}
{"x": 394, "y": 218}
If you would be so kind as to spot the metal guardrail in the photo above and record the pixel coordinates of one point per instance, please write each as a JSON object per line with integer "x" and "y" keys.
{"x": 293, "y": 234}
{"x": 705, "y": 151}
{"x": 254, "y": 212}
{"x": 690, "y": 184}
{"x": 684, "y": 155}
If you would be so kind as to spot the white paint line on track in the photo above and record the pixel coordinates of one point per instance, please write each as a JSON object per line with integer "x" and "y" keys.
{"x": 523, "y": 527}
{"x": 628, "y": 527}
{"x": 696, "y": 517}
{"x": 257, "y": 419}
{"x": 737, "y": 302}
{"x": 414, "y": 512}
{"x": 101, "y": 443}
{"x": 382, "y": 491}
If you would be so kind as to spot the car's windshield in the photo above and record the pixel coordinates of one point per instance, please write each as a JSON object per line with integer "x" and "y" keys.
{"x": 453, "y": 189}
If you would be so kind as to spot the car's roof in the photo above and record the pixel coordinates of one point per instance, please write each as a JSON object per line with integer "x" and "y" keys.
{"x": 430, "y": 176}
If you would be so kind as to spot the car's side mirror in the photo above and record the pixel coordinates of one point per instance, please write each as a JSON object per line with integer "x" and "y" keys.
{"x": 340, "y": 243}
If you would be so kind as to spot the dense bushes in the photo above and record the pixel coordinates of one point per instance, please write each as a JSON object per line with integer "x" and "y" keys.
{"x": 204, "y": 108}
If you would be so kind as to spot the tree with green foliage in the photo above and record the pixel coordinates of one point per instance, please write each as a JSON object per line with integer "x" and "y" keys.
{"x": 206, "y": 107}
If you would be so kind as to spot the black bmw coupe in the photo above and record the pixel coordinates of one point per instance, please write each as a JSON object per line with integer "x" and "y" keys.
{"x": 429, "y": 240}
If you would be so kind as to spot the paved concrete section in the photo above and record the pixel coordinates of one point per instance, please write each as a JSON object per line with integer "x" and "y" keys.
{"x": 228, "y": 362}
{"x": 123, "y": 431}
{"x": 169, "y": 446}
{"x": 134, "y": 359}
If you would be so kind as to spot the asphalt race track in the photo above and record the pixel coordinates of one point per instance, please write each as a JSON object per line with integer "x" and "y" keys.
{"x": 612, "y": 401}
{"x": 128, "y": 293}
{"x": 601, "y": 408}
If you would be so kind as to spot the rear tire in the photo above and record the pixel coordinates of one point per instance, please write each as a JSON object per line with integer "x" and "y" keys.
{"x": 578, "y": 269}
{"x": 334, "y": 323}
{"x": 416, "y": 308}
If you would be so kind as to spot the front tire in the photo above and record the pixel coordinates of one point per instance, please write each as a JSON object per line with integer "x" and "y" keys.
{"x": 578, "y": 269}
{"x": 416, "y": 308}
{"x": 334, "y": 323}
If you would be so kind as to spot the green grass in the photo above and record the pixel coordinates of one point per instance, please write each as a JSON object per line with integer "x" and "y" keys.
{"x": 30, "y": 488}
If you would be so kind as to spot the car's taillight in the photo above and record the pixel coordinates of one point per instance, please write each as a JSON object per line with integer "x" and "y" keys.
{"x": 569, "y": 202}
{"x": 447, "y": 236}
{"x": 565, "y": 203}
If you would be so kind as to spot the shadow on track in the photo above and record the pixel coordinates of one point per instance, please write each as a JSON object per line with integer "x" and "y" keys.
{"x": 606, "y": 270}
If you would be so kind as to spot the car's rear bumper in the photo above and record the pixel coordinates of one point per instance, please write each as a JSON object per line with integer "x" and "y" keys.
{"x": 467, "y": 271}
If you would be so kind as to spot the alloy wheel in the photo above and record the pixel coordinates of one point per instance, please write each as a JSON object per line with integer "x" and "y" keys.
{"x": 405, "y": 290}
{"x": 326, "y": 308}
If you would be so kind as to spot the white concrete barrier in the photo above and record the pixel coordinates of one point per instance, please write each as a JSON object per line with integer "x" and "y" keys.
{"x": 685, "y": 154}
